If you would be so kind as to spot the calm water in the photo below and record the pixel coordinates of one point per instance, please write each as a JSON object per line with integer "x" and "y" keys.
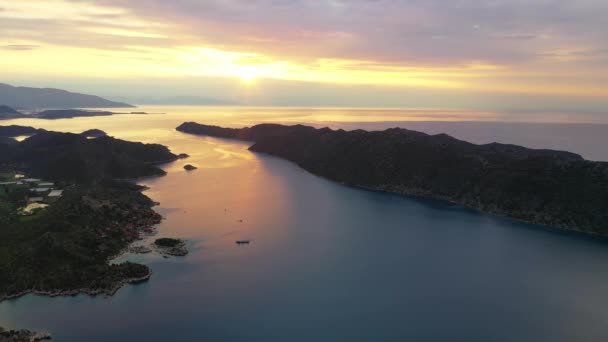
{"x": 328, "y": 262}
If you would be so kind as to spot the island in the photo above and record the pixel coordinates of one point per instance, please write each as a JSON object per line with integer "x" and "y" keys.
{"x": 87, "y": 213}
{"x": 53, "y": 114}
{"x": 552, "y": 188}
{"x": 171, "y": 246}
{"x": 189, "y": 167}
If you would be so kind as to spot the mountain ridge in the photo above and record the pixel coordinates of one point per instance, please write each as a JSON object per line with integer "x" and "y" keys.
{"x": 29, "y": 97}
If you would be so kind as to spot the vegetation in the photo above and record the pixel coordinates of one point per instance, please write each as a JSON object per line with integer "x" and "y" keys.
{"x": 65, "y": 249}
{"x": 22, "y": 336}
{"x": 73, "y": 157}
{"x": 552, "y": 188}
{"x": 167, "y": 242}
{"x": 170, "y": 246}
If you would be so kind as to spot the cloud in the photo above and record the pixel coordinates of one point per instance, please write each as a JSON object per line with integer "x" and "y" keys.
{"x": 412, "y": 32}
{"x": 503, "y": 45}
{"x": 385, "y": 30}
{"x": 19, "y": 47}
{"x": 516, "y": 36}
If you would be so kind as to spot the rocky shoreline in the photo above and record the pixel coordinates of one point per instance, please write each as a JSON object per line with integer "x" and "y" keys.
{"x": 88, "y": 291}
{"x": 23, "y": 336}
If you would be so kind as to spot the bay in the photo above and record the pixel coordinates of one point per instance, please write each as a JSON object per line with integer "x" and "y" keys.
{"x": 328, "y": 262}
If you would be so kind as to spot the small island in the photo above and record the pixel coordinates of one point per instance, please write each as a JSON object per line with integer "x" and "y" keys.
{"x": 189, "y": 167}
{"x": 170, "y": 246}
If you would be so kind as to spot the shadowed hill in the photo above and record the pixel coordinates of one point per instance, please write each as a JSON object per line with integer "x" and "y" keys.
{"x": 73, "y": 157}
{"x": 553, "y": 188}
{"x": 7, "y": 112}
{"x": 15, "y": 131}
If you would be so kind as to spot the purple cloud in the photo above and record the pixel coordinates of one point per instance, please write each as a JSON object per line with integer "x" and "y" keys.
{"x": 422, "y": 32}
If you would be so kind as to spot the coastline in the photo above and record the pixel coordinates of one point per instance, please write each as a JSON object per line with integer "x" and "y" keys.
{"x": 87, "y": 291}
{"x": 141, "y": 219}
{"x": 527, "y": 185}
{"x": 446, "y": 200}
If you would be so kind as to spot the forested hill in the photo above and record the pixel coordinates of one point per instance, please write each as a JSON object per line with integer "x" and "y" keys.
{"x": 553, "y": 188}
{"x": 73, "y": 157}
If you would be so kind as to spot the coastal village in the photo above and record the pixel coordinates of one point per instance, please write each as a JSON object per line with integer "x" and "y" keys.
{"x": 37, "y": 194}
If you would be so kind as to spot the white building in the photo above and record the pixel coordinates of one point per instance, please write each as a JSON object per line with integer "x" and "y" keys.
{"x": 56, "y": 193}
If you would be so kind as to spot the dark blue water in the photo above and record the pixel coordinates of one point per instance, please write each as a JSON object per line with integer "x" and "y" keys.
{"x": 332, "y": 263}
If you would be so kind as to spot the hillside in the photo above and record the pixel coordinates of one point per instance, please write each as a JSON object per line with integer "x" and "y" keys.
{"x": 73, "y": 157}
{"x": 553, "y": 188}
{"x": 7, "y": 112}
{"x": 15, "y": 131}
{"x": 26, "y": 97}
{"x": 64, "y": 249}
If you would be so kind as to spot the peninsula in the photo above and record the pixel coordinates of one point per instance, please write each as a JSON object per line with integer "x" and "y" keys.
{"x": 546, "y": 187}
{"x": 63, "y": 248}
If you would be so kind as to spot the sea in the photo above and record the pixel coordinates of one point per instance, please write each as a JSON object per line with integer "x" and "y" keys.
{"x": 328, "y": 262}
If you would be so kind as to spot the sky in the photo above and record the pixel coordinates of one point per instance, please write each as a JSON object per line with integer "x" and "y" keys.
{"x": 545, "y": 55}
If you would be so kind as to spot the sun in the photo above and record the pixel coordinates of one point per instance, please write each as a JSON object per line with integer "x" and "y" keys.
{"x": 246, "y": 74}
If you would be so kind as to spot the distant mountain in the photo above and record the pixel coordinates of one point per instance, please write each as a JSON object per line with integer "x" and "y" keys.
{"x": 7, "y": 112}
{"x": 553, "y": 188}
{"x": 25, "y": 97}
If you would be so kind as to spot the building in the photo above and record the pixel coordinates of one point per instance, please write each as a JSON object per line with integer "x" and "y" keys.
{"x": 56, "y": 193}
